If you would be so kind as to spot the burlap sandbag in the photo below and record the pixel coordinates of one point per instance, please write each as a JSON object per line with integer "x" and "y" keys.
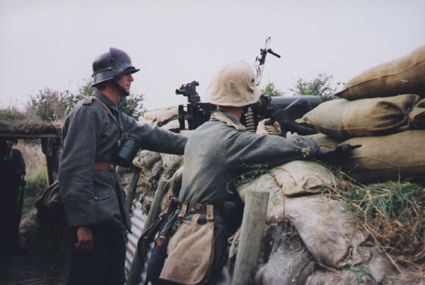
{"x": 159, "y": 117}
{"x": 145, "y": 159}
{"x": 402, "y": 75}
{"x": 366, "y": 117}
{"x": 328, "y": 231}
{"x": 323, "y": 140}
{"x": 170, "y": 163}
{"x": 289, "y": 261}
{"x": 391, "y": 157}
{"x": 417, "y": 116}
{"x": 378, "y": 270}
{"x": 294, "y": 178}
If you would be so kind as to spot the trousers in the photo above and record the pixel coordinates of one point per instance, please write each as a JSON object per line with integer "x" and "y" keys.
{"x": 104, "y": 264}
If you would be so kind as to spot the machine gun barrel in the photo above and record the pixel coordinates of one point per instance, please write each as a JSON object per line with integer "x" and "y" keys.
{"x": 283, "y": 109}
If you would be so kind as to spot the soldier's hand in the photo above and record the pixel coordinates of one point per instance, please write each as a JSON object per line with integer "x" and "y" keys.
{"x": 85, "y": 239}
{"x": 265, "y": 127}
{"x": 336, "y": 155}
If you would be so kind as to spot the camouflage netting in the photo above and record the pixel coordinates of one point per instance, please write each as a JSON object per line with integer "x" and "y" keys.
{"x": 322, "y": 228}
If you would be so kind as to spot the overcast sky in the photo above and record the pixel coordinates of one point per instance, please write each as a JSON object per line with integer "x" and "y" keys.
{"x": 51, "y": 44}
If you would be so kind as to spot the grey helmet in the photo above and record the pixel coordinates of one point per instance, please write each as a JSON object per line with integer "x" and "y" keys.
{"x": 111, "y": 65}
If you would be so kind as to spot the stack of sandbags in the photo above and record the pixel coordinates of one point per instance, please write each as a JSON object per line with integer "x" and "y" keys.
{"x": 376, "y": 113}
{"x": 166, "y": 118}
{"x": 311, "y": 235}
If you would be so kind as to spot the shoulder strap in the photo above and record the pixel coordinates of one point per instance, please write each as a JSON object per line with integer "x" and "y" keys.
{"x": 109, "y": 112}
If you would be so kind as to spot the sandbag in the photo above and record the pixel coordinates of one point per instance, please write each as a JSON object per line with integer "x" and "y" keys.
{"x": 289, "y": 261}
{"x": 145, "y": 159}
{"x": 329, "y": 233}
{"x": 323, "y": 140}
{"x": 399, "y": 76}
{"x": 341, "y": 118}
{"x": 159, "y": 117}
{"x": 299, "y": 177}
{"x": 173, "y": 126}
{"x": 378, "y": 270}
{"x": 266, "y": 183}
{"x": 335, "y": 278}
{"x": 170, "y": 163}
{"x": 391, "y": 157}
{"x": 294, "y": 178}
{"x": 417, "y": 116}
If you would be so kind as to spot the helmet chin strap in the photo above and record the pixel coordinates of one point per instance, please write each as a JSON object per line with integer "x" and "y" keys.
{"x": 121, "y": 90}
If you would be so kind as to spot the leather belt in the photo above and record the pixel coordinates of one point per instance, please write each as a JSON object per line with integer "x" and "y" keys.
{"x": 104, "y": 166}
{"x": 193, "y": 208}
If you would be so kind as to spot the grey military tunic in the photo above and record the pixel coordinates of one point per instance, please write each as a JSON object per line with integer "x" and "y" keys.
{"x": 90, "y": 134}
{"x": 220, "y": 150}
{"x": 216, "y": 155}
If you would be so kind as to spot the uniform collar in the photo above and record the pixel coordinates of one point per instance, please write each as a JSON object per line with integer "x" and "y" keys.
{"x": 229, "y": 118}
{"x": 111, "y": 105}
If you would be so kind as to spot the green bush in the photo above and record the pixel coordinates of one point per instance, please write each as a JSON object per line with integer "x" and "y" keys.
{"x": 51, "y": 105}
{"x": 11, "y": 114}
{"x": 320, "y": 86}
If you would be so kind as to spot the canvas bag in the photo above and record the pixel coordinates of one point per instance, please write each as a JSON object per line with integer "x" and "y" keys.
{"x": 190, "y": 252}
{"x": 366, "y": 117}
{"x": 399, "y": 76}
{"x": 49, "y": 206}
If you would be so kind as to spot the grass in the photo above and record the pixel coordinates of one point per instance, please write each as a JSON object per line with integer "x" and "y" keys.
{"x": 33, "y": 189}
{"x": 393, "y": 213}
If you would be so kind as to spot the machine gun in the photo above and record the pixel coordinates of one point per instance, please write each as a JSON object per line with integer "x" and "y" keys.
{"x": 284, "y": 110}
{"x": 195, "y": 112}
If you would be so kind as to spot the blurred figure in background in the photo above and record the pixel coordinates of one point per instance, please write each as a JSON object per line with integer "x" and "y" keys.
{"x": 12, "y": 179}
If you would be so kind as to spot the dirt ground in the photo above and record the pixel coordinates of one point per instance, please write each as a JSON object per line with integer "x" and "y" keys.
{"x": 38, "y": 263}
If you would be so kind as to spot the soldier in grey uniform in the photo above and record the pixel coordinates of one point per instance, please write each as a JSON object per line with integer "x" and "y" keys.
{"x": 91, "y": 192}
{"x": 219, "y": 152}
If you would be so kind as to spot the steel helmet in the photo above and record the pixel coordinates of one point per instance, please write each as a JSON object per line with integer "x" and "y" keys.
{"x": 110, "y": 65}
{"x": 234, "y": 85}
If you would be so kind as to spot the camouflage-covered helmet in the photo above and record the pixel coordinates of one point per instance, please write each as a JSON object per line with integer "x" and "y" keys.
{"x": 234, "y": 85}
{"x": 111, "y": 65}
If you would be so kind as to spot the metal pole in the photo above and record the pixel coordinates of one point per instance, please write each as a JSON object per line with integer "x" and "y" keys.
{"x": 252, "y": 230}
{"x": 143, "y": 245}
{"x": 132, "y": 188}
